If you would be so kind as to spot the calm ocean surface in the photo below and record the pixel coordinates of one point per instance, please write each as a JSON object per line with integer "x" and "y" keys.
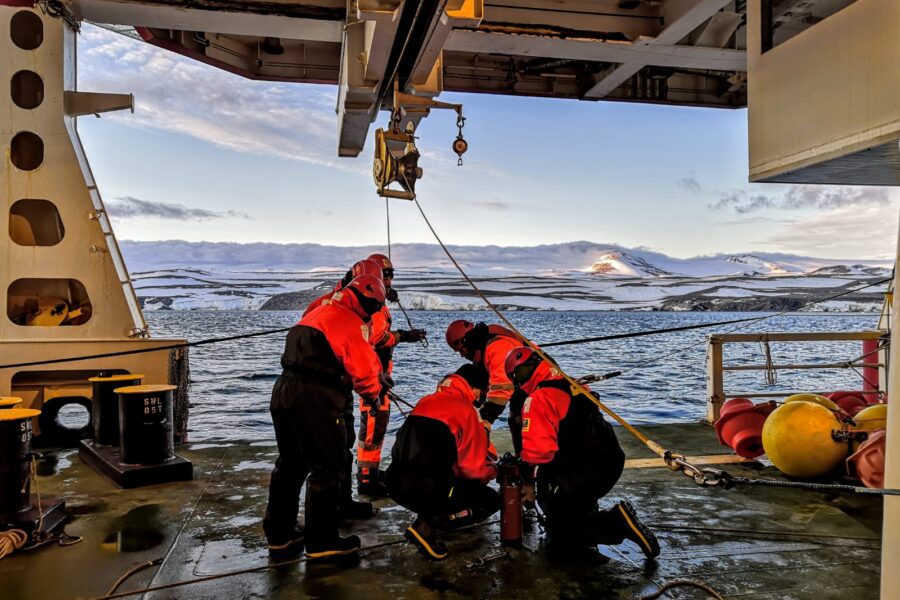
{"x": 232, "y": 381}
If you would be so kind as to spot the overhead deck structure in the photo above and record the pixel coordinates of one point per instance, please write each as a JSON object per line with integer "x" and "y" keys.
{"x": 679, "y": 52}
{"x": 823, "y": 97}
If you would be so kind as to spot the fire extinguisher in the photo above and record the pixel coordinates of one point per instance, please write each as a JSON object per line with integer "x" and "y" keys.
{"x": 511, "y": 501}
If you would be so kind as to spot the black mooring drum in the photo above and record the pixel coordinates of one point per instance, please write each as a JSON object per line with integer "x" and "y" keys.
{"x": 146, "y": 424}
{"x": 9, "y": 402}
{"x": 15, "y": 461}
{"x": 105, "y": 406}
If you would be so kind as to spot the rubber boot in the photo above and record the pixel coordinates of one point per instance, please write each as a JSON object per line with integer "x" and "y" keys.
{"x": 422, "y": 535}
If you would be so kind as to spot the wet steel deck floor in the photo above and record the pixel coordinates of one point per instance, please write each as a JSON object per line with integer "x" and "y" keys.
{"x": 779, "y": 543}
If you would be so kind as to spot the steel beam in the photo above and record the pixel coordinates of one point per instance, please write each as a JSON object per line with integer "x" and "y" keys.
{"x": 683, "y": 16}
{"x": 686, "y": 57}
{"x": 167, "y": 16}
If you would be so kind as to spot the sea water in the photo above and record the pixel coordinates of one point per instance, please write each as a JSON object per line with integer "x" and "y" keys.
{"x": 664, "y": 377}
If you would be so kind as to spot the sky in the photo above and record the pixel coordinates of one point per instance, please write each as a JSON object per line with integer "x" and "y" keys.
{"x": 211, "y": 156}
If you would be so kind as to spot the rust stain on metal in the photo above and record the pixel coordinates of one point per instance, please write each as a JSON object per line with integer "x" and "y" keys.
{"x": 552, "y": 32}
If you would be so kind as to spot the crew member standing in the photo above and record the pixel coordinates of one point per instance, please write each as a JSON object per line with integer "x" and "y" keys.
{"x": 372, "y": 427}
{"x": 577, "y": 458}
{"x": 440, "y": 463}
{"x": 327, "y": 354}
{"x": 348, "y": 508}
{"x": 487, "y": 346}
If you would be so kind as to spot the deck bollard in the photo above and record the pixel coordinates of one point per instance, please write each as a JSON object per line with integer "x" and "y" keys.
{"x": 15, "y": 462}
{"x": 146, "y": 434}
{"x": 9, "y": 402}
{"x": 105, "y": 407}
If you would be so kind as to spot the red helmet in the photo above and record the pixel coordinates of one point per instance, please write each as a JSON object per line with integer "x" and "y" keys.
{"x": 369, "y": 287}
{"x": 520, "y": 364}
{"x": 456, "y": 331}
{"x": 365, "y": 267}
{"x": 387, "y": 267}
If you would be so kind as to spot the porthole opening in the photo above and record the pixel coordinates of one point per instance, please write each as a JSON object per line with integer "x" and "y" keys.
{"x": 26, "y": 30}
{"x": 27, "y": 89}
{"x": 26, "y": 151}
{"x": 73, "y": 417}
{"x": 47, "y": 303}
{"x": 35, "y": 223}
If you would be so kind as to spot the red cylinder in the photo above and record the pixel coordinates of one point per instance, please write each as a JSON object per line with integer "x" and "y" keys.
{"x": 870, "y": 374}
{"x": 511, "y": 512}
{"x": 850, "y": 402}
{"x": 740, "y": 426}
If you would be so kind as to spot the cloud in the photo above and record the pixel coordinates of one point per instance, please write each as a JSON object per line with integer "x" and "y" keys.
{"x": 800, "y": 197}
{"x": 127, "y": 207}
{"x": 689, "y": 184}
{"x": 867, "y": 231}
{"x": 176, "y": 94}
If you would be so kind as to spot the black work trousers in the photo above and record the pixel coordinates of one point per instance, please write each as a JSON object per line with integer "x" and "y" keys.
{"x": 311, "y": 433}
{"x": 567, "y": 492}
{"x": 346, "y": 495}
{"x": 443, "y": 502}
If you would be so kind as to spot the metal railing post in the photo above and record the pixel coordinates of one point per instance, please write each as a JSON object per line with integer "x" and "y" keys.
{"x": 715, "y": 385}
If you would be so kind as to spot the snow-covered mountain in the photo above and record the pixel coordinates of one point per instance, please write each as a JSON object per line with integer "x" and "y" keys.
{"x": 576, "y": 276}
{"x": 609, "y": 259}
{"x": 623, "y": 264}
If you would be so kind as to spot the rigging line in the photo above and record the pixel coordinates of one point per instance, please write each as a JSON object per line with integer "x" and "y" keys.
{"x": 683, "y": 349}
{"x": 620, "y": 336}
{"x": 645, "y": 332}
{"x": 387, "y": 210}
{"x": 659, "y": 450}
{"x": 268, "y": 567}
{"x": 145, "y": 350}
{"x": 188, "y": 519}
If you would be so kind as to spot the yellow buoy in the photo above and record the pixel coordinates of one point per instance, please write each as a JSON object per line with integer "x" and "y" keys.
{"x": 797, "y": 439}
{"x": 815, "y": 399}
{"x": 869, "y": 419}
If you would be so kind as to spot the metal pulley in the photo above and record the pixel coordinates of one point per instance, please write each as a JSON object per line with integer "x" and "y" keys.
{"x": 388, "y": 168}
{"x": 395, "y": 165}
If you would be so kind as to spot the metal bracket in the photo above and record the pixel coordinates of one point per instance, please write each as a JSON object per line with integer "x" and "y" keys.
{"x": 78, "y": 104}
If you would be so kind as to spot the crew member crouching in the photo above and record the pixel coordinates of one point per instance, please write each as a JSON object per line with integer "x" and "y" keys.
{"x": 577, "y": 459}
{"x": 325, "y": 356}
{"x": 440, "y": 465}
{"x": 487, "y": 346}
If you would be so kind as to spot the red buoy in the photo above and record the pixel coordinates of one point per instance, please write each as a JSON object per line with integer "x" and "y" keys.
{"x": 740, "y": 426}
{"x": 868, "y": 461}
{"x": 850, "y": 402}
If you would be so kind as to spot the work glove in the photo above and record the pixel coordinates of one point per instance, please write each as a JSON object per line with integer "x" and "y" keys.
{"x": 411, "y": 336}
{"x": 387, "y": 382}
{"x": 373, "y": 404}
{"x": 392, "y": 295}
{"x": 489, "y": 411}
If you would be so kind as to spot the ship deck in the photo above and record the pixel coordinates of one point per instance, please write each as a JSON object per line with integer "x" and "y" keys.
{"x": 753, "y": 543}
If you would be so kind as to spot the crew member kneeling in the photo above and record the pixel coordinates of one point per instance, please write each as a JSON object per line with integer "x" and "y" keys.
{"x": 577, "y": 458}
{"x": 326, "y": 354}
{"x": 440, "y": 465}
